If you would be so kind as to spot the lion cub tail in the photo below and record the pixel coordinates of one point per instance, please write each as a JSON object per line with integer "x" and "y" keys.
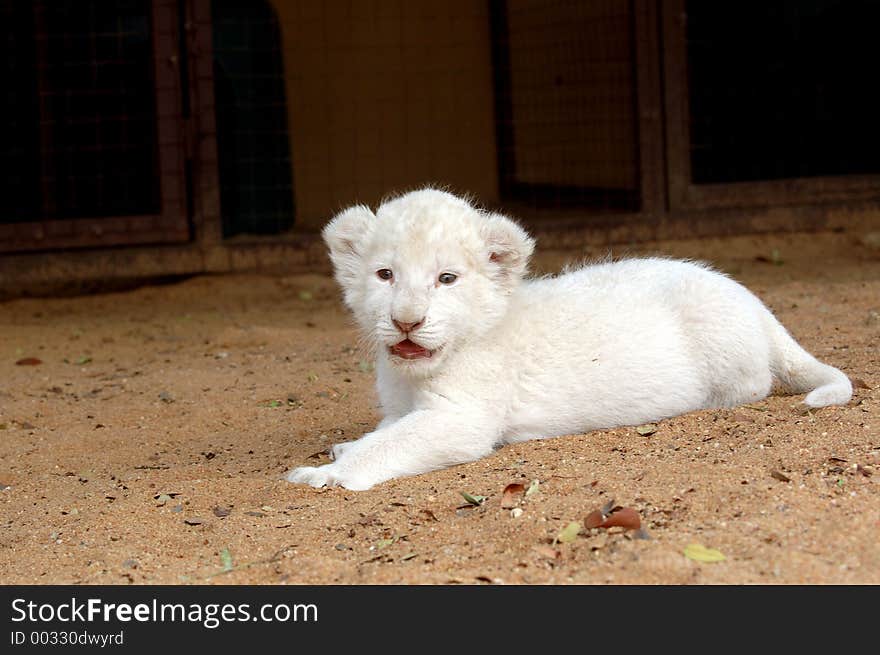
{"x": 800, "y": 372}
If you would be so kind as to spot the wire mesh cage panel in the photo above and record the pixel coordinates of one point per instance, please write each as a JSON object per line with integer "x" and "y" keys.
{"x": 90, "y": 131}
{"x": 256, "y": 188}
{"x": 565, "y": 102}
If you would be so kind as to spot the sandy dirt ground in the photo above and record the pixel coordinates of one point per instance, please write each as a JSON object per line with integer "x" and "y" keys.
{"x": 149, "y": 445}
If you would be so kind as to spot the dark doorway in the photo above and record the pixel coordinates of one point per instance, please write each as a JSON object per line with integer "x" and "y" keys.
{"x": 253, "y": 144}
{"x": 782, "y": 89}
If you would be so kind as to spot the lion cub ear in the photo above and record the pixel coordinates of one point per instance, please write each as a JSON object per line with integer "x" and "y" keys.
{"x": 509, "y": 247}
{"x": 345, "y": 236}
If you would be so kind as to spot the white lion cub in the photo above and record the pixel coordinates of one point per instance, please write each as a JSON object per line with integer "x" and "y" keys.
{"x": 470, "y": 356}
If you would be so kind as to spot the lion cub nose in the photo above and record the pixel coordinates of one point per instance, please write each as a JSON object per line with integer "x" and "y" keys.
{"x": 407, "y": 327}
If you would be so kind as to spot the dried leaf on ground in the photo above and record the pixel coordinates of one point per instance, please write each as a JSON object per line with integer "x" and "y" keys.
{"x": 776, "y": 257}
{"x": 511, "y": 495}
{"x": 613, "y": 516}
{"x": 473, "y": 499}
{"x": 534, "y": 488}
{"x": 29, "y": 361}
{"x": 165, "y": 497}
{"x": 625, "y": 517}
{"x": 779, "y": 475}
{"x": 226, "y": 559}
{"x": 699, "y": 553}
{"x": 594, "y": 519}
{"x": 569, "y": 533}
{"x": 859, "y": 383}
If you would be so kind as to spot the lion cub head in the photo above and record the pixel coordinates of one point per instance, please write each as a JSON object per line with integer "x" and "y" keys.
{"x": 426, "y": 273}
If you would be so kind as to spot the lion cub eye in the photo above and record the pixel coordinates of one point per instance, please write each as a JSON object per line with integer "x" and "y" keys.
{"x": 447, "y": 278}
{"x": 384, "y": 274}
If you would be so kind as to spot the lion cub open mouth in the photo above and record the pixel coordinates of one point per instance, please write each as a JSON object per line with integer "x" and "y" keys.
{"x": 407, "y": 349}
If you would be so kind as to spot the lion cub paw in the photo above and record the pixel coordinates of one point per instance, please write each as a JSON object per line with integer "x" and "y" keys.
{"x": 326, "y": 476}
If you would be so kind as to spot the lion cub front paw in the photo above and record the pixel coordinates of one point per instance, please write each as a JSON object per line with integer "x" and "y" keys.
{"x": 326, "y": 476}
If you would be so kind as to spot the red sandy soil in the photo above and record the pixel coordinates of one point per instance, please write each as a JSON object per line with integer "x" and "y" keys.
{"x": 209, "y": 390}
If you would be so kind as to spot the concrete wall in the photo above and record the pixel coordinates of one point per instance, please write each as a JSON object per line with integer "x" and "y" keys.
{"x": 386, "y": 95}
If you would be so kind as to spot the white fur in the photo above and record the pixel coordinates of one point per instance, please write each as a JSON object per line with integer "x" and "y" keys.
{"x": 610, "y": 344}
